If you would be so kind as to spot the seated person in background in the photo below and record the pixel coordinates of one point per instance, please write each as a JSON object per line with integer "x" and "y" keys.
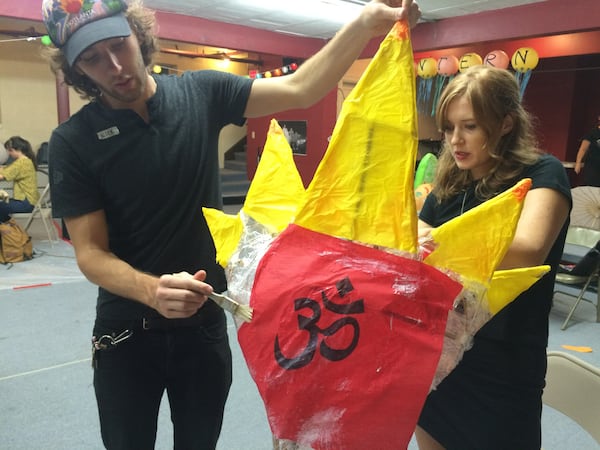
{"x": 22, "y": 172}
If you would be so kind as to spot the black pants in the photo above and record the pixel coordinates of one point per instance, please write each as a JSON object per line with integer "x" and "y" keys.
{"x": 591, "y": 174}
{"x": 193, "y": 364}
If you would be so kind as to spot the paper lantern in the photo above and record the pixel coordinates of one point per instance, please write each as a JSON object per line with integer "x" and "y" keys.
{"x": 347, "y": 337}
{"x": 427, "y": 68}
{"x": 421, "y": 193}
{"x": 447, "y": 65}
{"x": 497, "y": 58}
{"x": 425, "y": 172}
{"x": 524, "y": 59}
{"x": 268, "y": 74}
{"x": 469, "y": 60}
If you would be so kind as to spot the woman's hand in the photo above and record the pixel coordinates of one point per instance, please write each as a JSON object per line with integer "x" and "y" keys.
{"x": 181, "y": 295}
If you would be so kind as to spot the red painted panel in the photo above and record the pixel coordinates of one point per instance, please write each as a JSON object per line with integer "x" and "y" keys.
{"x": 532, "y": 20}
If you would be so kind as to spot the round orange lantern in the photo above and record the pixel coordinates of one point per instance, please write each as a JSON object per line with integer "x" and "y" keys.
{"x": 447, "y": 65}
{"x": 497, "y": 58}
{"x": 421, "y": 193}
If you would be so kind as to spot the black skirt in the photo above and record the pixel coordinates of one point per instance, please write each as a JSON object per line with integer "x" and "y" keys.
{"x": 491, "y": 401}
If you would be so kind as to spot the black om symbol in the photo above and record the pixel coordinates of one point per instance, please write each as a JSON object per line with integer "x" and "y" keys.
{"x": 310, "y": 324}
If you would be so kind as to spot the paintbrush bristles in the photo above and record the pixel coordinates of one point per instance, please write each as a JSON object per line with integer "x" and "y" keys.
{"x": 243, "y": 312}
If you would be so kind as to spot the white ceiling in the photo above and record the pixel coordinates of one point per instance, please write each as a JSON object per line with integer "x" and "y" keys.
{"x": 312, "y": 18}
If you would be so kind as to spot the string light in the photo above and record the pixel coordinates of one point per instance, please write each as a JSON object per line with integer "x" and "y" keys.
{"x": 285, "y": 70}
{"x": 45, "y": 39}
{"x": 280, "y": 71}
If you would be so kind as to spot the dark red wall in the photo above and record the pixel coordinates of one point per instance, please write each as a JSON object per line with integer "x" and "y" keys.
{"x": 320, "y": 122}
{"x": 564, "y": 90}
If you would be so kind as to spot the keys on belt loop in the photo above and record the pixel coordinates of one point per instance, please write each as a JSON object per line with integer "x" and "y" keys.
{"x": 109, "y": 341}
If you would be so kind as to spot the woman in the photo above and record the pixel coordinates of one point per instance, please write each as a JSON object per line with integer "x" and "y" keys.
{"x": 22, "y": 172}
{"x": 492, "y": 399}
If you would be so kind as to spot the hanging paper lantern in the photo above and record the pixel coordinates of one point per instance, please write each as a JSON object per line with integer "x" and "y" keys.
{"x": 285, "y": 69}
{"x": 293, "y": 66}
{"x": 46, "y": 40}
{"x": 277, "y": 72}
{"x": 156, "y": 69}
{"x": 497, "y": 58}
{"x": 427, "y": 68}
{"x": 469, "y": 60}
{"x": 447, "y": 65}
{"x": 524, "y": 59}
{"x": 268, "y": 74}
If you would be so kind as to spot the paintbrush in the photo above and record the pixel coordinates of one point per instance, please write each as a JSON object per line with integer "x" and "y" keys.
{"x": 243, "y": 312}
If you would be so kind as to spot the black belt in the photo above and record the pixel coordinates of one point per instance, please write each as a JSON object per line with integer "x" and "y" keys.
{"x": 158, "y": 323}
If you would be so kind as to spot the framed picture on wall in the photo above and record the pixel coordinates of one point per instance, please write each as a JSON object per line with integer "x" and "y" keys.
{"x": 295, "y": 133}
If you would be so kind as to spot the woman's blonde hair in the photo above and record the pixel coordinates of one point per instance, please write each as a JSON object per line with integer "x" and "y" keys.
{"x": 495, "y": 96}
{"x": 142, "y": 23}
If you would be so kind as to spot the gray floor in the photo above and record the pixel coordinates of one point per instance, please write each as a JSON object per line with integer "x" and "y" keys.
{"x": 46, "y": 397}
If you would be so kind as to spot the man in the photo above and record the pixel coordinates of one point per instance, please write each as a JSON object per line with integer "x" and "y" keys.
{"x": 589, "y": 152}
{"x": 129, "y": 175}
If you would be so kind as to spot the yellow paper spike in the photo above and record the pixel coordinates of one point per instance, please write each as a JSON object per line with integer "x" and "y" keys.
{"x": 226, "y": 231}
{"x": 362, "y": 190}
{"x": 506, "y": 285}
{"x": 277, "y": 191}
{"x": 483, "y": 233}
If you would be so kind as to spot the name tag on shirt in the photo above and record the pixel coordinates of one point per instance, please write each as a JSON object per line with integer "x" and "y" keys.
{"x": 108, "y": 133}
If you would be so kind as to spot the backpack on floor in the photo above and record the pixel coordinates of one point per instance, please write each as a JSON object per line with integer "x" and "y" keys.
{"x": 15, "y": 243}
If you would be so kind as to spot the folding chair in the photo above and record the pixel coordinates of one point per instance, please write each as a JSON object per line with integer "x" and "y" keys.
{"x": 586, "y": 242}
{"x": 43, "y": 210}
{"x": 573, "y": 388}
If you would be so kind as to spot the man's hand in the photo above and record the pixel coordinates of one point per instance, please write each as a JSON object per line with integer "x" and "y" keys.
{"x": 4, "y": 197}
{"x": 181, "y": 295}
{"x": 380, "y": 15}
